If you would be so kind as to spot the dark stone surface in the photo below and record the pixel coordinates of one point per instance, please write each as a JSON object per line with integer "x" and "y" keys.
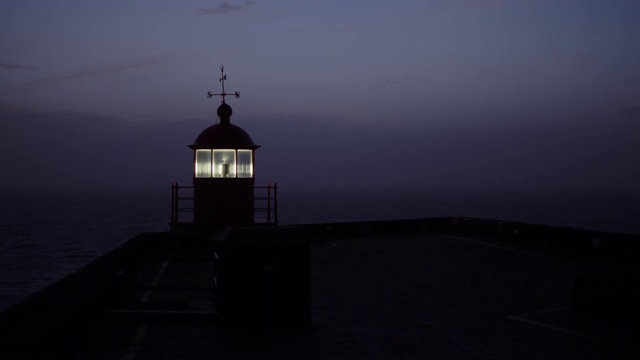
{"x": 406, "y": 289}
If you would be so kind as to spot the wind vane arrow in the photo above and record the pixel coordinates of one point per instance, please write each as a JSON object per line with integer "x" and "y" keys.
{"x": 223, "y": 94}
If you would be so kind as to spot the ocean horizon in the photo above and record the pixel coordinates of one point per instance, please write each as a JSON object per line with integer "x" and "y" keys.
{"x": 46, "y": 235}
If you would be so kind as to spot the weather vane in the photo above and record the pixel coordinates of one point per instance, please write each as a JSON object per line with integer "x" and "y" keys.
{"x": 223, "y": 77}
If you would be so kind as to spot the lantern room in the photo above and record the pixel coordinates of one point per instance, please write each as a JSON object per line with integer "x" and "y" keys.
{"x": 223, "y": 171}
{"x": 223, "y": 150}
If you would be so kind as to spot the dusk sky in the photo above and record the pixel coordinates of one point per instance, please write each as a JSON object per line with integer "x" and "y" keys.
{"x": 379, "y": 92}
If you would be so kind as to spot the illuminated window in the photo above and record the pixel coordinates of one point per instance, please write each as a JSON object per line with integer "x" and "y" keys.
{"x": 227, "y": 163}
{"x": 203, "y": 163}
{"x": 245, "y": 164}
{"x": 224, "y": 163}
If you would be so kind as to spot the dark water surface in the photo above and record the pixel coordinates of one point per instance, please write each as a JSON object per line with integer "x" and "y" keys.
{"x": 47, "y": 235}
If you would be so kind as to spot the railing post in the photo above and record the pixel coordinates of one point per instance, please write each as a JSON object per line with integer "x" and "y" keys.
{"x": 177, "y": 203}
{"x": 174, "y": 203}
{"x": 173, "y": 196}
{"x": 269, "y": 202}
{"x": 275, "y": 202}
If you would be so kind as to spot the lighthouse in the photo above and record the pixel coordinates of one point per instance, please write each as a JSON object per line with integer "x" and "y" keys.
{"x": 223, "y": 191}
{"x": 261, "y": 274}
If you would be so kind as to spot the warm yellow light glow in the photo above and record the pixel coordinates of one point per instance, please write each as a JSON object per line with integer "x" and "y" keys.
{"x": 224, "y": 163}
{"x": 203, "y": 163}
{"x": 245, "y": 163}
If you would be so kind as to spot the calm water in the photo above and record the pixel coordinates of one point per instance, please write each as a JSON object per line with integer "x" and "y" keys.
{"x": 46, "y": 236}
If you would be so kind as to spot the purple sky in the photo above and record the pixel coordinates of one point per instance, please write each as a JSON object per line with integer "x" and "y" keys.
{"x": 439, "y": 82}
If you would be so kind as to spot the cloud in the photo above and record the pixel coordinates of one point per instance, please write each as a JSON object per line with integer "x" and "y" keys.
{"x": 14, "y": 66}
{"x": 111, "y": 150}
{"x": 629, "y": 114}
{"x": 115, "y": 152}
{"x": 474, "y": 5}
{"x": 632, "y": 81}
{"x": 106, "y": 69}
{"x": 384, "y": 82}
{"x": 223, "y": 8}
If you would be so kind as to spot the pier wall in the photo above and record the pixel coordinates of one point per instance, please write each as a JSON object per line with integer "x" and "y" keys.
{"x": 564, "y": 242}
{"x": 51, "y": 320}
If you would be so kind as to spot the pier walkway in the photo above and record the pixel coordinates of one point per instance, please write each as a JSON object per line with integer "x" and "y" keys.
{"x": 416, "y": 295}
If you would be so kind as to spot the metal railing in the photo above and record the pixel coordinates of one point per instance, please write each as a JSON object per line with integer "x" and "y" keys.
{"x": 181, "y": 203}
{"x": 182, "y": 200}
{"x": 268, "y": 202}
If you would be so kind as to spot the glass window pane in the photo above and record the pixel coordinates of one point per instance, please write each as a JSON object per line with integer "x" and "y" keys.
{"x": 224, "y": 163}
{"x": 245, "y": 164}
{"x": 203, "y": 163}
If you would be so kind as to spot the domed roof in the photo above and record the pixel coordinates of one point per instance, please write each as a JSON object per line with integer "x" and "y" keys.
{"x": 224, "y": 135}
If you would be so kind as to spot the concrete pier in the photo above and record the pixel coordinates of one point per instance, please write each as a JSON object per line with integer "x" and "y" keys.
{"x": 425, "y": 288}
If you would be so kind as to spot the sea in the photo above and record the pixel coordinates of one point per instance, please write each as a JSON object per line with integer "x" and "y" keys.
{"x": 46, "y": 235}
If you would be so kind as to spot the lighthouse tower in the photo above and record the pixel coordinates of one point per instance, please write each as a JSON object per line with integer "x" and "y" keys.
{"x": 261, "y": 274}
{"x": 223, "y": 177}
